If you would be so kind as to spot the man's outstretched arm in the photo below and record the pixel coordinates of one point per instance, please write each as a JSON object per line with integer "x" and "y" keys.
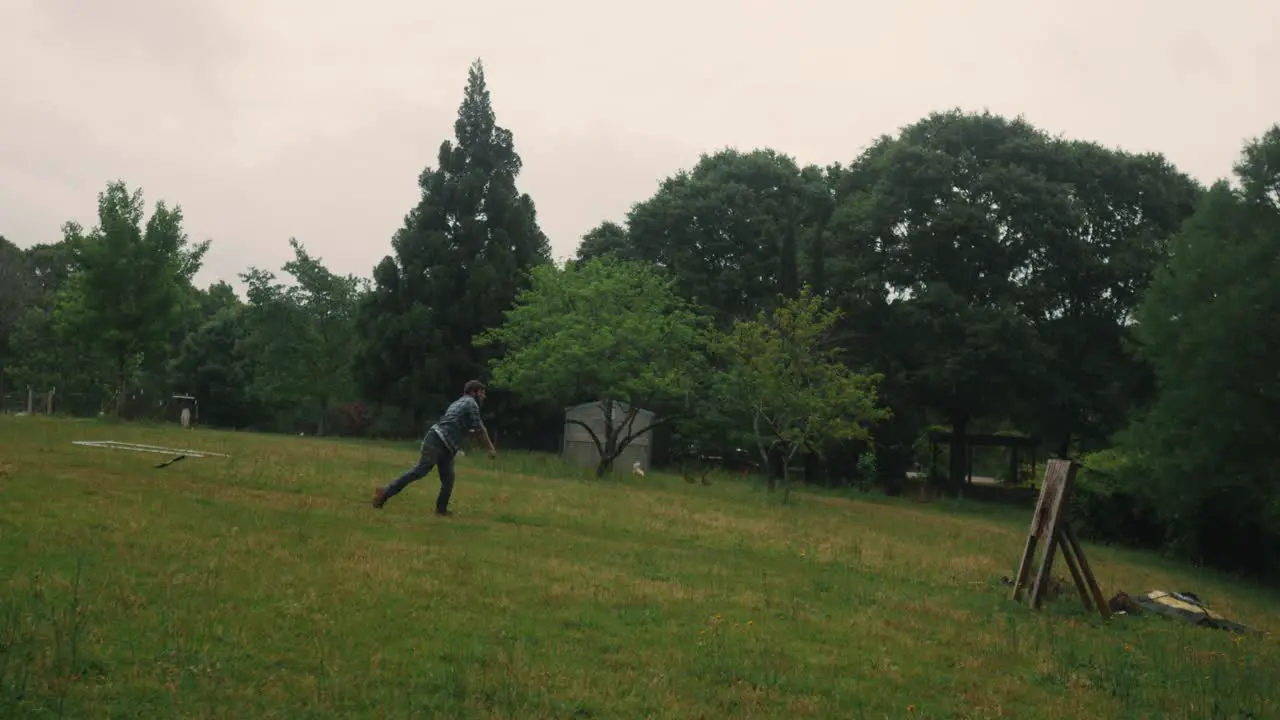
{"x": 478, "y": 423}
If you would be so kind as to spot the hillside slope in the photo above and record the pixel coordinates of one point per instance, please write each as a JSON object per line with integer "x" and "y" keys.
{"x": 263, "y": 585}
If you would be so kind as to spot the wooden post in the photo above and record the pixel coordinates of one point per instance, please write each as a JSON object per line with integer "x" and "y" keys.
{"x": 1049, "y": 525}
{"x": 1062, "y": 473}
{"x": 1074, "y": 566}
{"x": 1085, "y": 570}
{"x": 31, "y": 400}
{"x": 48, "y": 402}
{"x": 1039, "y": 525}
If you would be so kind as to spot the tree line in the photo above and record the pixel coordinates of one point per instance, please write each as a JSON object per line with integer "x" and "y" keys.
{"x": 969, "y": 273}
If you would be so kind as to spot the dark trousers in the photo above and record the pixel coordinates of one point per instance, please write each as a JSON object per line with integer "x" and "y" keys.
{"x": 434, "y": 454}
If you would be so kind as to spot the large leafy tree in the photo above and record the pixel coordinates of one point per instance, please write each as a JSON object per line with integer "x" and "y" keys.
{"x": 42, "y": 357}
{"x": 784, "y": 372}
{"x": 607, "y": 330}
{"x": 995, "y": 269}
{"x": 18, "y": 292}
{"x": 607, "y": 238}
{"x": 127, "y": 294}
{"x": 464, "y": 253}
{"x": 934, "y": 235}
{"x": 730, "y": 231}
{"x": 52, "y": 265}
{"x": 1120, "y": 211}
{"x": 1207, "y": 324}
{"x": 17, "y": 282}
{"x": 215, "y": 366}
{"x": 214, "y": 363}
{"x": 301, "y": 333}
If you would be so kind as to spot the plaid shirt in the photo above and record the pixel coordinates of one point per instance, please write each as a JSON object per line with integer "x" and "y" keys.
{"x": 463, "y": 416}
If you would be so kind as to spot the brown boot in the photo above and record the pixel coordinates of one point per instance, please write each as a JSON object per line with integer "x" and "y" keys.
{"x": 379, "y": 497}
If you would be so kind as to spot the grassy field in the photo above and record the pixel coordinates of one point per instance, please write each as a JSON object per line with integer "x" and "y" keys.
{"x": 263, "y": 585}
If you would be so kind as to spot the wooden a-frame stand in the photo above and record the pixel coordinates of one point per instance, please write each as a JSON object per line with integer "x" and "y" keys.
{"x": 1050, "y": 525}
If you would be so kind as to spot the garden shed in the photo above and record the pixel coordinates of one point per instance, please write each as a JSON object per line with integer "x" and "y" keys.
{"x": 579, "y": 449}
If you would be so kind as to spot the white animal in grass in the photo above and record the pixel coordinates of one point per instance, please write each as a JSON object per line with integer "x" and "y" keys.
{"x": 636, "y": 469}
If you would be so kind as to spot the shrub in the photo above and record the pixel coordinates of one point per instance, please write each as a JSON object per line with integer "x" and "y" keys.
{"x": 1106, "y": 505}
{"x": 390, "y": 421}
{"x": 350, "y": 419}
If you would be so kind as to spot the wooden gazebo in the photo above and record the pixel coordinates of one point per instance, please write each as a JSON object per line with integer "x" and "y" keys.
{"x": 1013, "y": 442}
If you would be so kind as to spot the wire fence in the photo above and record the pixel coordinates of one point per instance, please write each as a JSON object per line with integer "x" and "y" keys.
{"x": 27, "y": 401}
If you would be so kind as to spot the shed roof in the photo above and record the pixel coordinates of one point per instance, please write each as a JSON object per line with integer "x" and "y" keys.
{"x": 985, "y": 440}
{"x": 617, "y": 405}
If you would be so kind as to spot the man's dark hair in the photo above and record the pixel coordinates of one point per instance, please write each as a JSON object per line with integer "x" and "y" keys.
{"x": 472, "y": 387}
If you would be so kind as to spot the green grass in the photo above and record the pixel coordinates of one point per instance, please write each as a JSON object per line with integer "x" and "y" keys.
{"x": 263, "y": 585}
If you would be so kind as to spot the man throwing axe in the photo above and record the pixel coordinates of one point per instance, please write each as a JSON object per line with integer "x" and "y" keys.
{"x": 441, "y": 444}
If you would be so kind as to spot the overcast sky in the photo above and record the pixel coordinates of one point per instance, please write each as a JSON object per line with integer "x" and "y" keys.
{"x": 267, "y": 119}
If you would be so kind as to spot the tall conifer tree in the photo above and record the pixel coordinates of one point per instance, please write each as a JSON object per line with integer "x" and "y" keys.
{"x": 461, "y": 257}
